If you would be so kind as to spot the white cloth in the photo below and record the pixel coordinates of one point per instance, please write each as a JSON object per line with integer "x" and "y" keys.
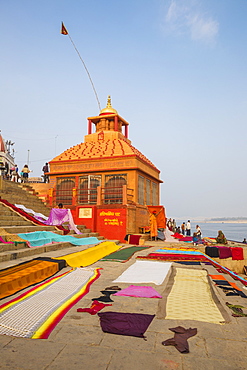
{"x": 145, "y": 272}
{"x": 169, "y": 238}
{"x": 28, "y": 210}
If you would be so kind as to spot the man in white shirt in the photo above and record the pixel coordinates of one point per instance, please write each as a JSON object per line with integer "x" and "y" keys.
{"x": 188, "y": 228}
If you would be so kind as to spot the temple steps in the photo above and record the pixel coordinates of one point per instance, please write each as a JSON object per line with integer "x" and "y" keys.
{"x": 16, "y": 193}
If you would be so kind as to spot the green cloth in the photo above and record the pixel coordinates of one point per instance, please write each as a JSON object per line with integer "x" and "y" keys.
{"x": 238, "y": 312}
{"x": 123, "y": 255}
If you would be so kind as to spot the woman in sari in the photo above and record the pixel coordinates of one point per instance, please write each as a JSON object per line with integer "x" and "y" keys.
{"x": 221, "y": 239}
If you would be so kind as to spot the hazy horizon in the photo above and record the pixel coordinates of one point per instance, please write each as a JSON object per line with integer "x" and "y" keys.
{"x": 175, "y": 70}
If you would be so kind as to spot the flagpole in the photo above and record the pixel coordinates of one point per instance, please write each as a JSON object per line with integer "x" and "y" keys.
{"x": 64, "y": 31}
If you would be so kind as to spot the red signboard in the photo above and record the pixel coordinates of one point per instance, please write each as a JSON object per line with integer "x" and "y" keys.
{"x": 112, "y": 223}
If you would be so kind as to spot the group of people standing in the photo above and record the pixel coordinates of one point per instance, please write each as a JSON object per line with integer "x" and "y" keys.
{"x": 13, "y": 174}
{"x": 184, "y": 229}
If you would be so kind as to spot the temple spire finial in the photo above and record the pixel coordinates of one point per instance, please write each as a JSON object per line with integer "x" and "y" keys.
{"x": 108, "y": 109}
{"x": 109, "y": 102}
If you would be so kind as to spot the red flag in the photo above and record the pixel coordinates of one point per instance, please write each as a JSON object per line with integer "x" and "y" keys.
{"x": 64, "y": 30}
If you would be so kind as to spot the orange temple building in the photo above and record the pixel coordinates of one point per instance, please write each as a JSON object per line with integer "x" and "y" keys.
{"x": 105, "y": 181}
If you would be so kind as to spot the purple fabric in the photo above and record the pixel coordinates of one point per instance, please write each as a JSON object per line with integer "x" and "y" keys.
{"x": 139, "y": 291}
{"x": 224, "y": 252}
{"x": 58, "y": 216}
{"x": 131, "y": 324}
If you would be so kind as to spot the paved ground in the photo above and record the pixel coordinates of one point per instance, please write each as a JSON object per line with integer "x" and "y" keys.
{"x": 79, "y": 343}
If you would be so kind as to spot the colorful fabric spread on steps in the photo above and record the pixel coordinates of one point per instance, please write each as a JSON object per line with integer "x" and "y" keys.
{"x": 199, "y": 256}
{"x": 173, "y": 257}
{"x": 28, "y": 217}
{"x": 228, "y": 287}
{"x": 131, "y": 324}
{"x": 16, "y": 278}
{"x": 191, "y": 298}
{"x": 123, "y": 255}
{"x": 11, "y": 237}
{"x": 90, "y": 255}
{"x": 35, "y": 313}
{"x": 39, "y": 238}
{"x": 145, "y": 272}
{"x": 139, "y": 291}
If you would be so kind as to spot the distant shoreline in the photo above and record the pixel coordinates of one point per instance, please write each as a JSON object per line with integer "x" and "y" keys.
{"x": 226, "y": 222}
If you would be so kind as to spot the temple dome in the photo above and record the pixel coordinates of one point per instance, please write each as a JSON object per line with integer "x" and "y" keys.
{"x": 108, "y": 109}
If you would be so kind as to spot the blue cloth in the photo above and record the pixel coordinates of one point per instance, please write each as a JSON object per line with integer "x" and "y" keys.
{"x": 177, "y": 251}
{"x": 39, "y": 238}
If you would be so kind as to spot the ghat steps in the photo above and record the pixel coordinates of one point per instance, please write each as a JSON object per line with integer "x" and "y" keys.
{"x": 17, "y": 193}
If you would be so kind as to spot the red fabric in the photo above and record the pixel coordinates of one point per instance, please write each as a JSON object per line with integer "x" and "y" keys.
{"x": 134, "y": 239}
{"x": 237, "y": 253}
{"x": 178, "y": 236}
{"x": 95, "y": 308}
{"x": 224, "y": 252}
{"x": 174, "y": 257}
{"x": 186, "y": 239}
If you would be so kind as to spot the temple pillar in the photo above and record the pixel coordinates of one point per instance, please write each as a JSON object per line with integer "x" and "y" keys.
{"x": 126, "y": 131}
{"x": 74, "y": 196}
{"x": 124, "y": 194}
{"x": 89, "y": 127}
{"x": 116, "y": 123}
{"x": 99, "y": 198}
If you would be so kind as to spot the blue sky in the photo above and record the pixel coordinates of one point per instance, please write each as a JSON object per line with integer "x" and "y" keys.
{"x": 175, "y": 69}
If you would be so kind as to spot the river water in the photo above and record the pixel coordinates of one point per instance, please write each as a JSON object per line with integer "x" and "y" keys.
{"x": 232, "y": 231}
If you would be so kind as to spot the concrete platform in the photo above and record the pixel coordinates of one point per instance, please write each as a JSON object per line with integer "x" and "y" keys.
{"x": 78, "y": 342}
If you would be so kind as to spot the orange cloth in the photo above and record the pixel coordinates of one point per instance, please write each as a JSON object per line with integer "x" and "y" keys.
{"x": 153, "y": 225}
{"x": 160, "y": 215}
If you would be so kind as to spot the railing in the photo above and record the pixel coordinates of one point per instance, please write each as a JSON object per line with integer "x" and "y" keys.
{"x": 87, "y": 196}
{"x": 64, "y": 196}
{"x": 112, "y": 195}
{"x": 93, "y": 196}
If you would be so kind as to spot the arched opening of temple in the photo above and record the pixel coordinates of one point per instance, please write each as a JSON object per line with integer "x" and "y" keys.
{"x": 64, "y": 190}
{"x": 114, "y": 189}
{"x": 87, "y": 190}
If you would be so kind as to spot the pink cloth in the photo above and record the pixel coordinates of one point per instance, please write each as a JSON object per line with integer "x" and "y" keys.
{"x": 139, "y": 291}
{"x": 58, "y": 216}
{"x": 3, "y": 241}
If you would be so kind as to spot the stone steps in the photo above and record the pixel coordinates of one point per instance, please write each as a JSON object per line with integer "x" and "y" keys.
{"x": 9, "y": 252}
{"x": 13, "y": 223}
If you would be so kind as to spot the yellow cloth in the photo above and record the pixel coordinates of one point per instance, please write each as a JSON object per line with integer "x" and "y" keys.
{"x": 191, "y": 298}
{"x": 90, "y": 255}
